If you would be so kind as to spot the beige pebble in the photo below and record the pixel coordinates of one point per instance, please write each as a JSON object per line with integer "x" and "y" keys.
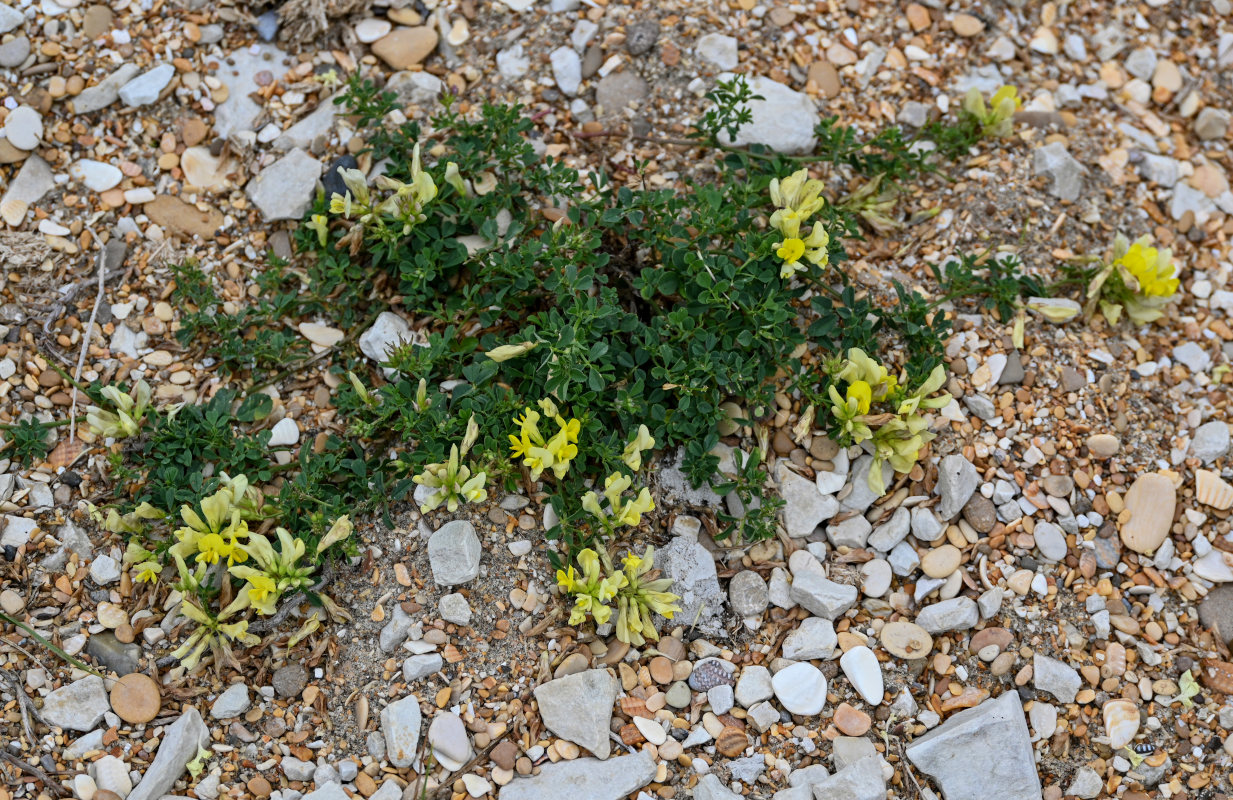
{"x": 940, "y": 562}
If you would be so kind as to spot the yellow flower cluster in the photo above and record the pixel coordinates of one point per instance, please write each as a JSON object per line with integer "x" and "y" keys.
{"x": 394, "y": 215}
{"x": 894, "y": 435}
{"x": 997, "y": 118}
{"x": 620, "y": 511}
{"x": 637, "y": 593}
{"x": 797, "y": 198}
{"x": 130, "y": 410}
{"x": 1137, "y": 279}
{"x": 538, "y": 453}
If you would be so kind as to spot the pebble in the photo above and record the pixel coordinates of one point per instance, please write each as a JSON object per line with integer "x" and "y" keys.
{"x": 718, "y": 50}
{"x": 10, "y": 18}
{"x": 454, "y": 553}
{"x": 940, "y": 562}
{"x": 957, "y": 481}
{"x": 136, "y": 698}
{"x": 404, "y": 47}
{"x": 23, "y": 128}
{"x": 748, "y": 594}
{"x": 78, "y": 706}
{"x": 96, "y": 176}
{"x": 876, "y": 577}
{"x": 1103, "y": 445}
{"x": 801, "y": 689}
{"x": 1065, "y": 174}
{"x": 455, "y": 609}
{"x": 1051, "y": 541}
{"x": 400, "y": 724}
{"x": 370, "y": 29}
{"x": 861, "y": 667}
{"x": 966, "y": 25}
{"x": 566, "y": 70}
{"x": 231, "y": 703}
{"x": 905, "y": 639}
{"x": 284, "y": 189}
{"x": 814, "y": 638}
{"x": 145, "y": 88}
{"x": 754, "y": 686}
{"x": 289, "y": 680}
{"x": 1055, "y": 677}
{"x": 1150, "y": 504}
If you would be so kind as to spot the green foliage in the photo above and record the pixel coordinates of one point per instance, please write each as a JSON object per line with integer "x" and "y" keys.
{"x": 730, "y": 110}
{"x": 760, "y": 511}
{"x": 995, "y": 279}
{"x": 28, "y": 441}
{"x": 255, "y": 337}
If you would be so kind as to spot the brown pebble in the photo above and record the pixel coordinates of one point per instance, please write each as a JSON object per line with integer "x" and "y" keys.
{"x": 732, "y": 741}
{"x": 136, "y": 698}
{"x": 505, "y": 755}
{"x": 852, "y": 721}
{"x": 661, "y": 670}
{"x": 260, "y": 787}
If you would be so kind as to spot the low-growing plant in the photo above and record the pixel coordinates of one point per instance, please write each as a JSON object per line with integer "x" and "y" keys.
{"x": 1135, "y": 278}
{"x": 637, "y": 590}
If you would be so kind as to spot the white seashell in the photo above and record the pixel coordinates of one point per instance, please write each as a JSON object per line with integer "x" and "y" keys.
{"x": 1211, "y": 490}
{"x": 1215, "y": 566}
{"x": 13, "y": 211}
{"x": 1121, "y": 722}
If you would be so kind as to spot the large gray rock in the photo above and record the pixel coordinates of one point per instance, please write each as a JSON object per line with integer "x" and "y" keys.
{"x": 822, "y": 597}
{"x": 859, "y": 781}
{"x": 115, "y": 655}
{"x": 692, "y": 570}
{"x": 979, "y": 748}
{"x": 395, "y": 631}
{"x": 77, "y": 707}
{"x": 804, "y": 506}
{"x": 1065, "y": 174}
{"x": 454, "y": 553}
{"x": 957, "y": 480}
{"x": 1211, "y": 441}
{"x": 711, "y": 788}
{"x": 584, "y": 778}
{"x": 579, "y": 708}
{"x": 862, "y": 494}
{"x": 32, "y": 181}
{"x": 783, "y": 120}
{"x": 312, "y": 126}
{"x": 10, "y": 18}
{"x": 184, "y": 738}
{"x": 956, "y": 614}
{"x": 815, "y": 638}
{"x": 1055, "y": 677}
{"x": 284, "y": 189}
{"x": 400, "y": 723}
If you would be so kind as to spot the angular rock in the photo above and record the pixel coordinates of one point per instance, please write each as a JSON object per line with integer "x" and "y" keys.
{"x": 754, "y": 686}
{"x": 692, "y": 569}
{"x": 1065, "y": 173}
{"x": 861, "y": 780}
{"x": 979, "y": 748}
{"x": 284, "y": 189}
{"x": 455, "y": 608}
{"x": 804, "y": 506}
{"x": 316, "y": 124}
{"x": 718, "y": 50}
{"x": 179, "y": 746}
{"x": 415, "y": 88}
{"x": 418, "y": 667}
{"x": 956, "y": 614}
{"x": 106, "y": 91}
{"x": 78, "y": 706}
{"x": 1055, "y": 677}
{"x": 957, "y": 480}
{"x": 711, "y": 788}
{"x": 400, "y": 724}
{"x": 579, "y": 708}
{"x": 115, "y": 655}
{"x": 862, "y": 495}
{"x": 145, "y": 88}
{"x": 387, "y": 332}
{"x": 768, "y": 127}
{"x": 853, "y": 532}
{"x": 815, "y": 638}
{"x": 821, "y": 596}
{"x": 585, "y": 778}
{"x": 231, "y": 703}
{"x": 1211, "y": 441}
{"x": 566, "y": 70}
{"x": 619, "y": 90}
{"x": 891, "y": 532}
{"x": 32, "y": 182}
{"x": 454, "y": 553}
{"x": 748, "y": 594}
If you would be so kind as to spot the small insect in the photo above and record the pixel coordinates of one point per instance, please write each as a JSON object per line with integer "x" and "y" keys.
{"x": 1145, "y": 749}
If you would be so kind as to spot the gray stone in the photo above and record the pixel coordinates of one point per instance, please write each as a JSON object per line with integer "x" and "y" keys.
{"x": 32, "y": 182}
{"x": 978, "y": 748}
{"x": 284, "y": 189}
{"x": 957, "y": 480}
{"x": 512, "y": 62}
{"x": 990, "y": 603}
{"x": 1211, "y": 441}
{"x": 981, "y": 406}
{"x": 1055, "y": 677}
{"x": 891, "y": 532}
{"x": 579, "y": 707}
{"x": 145, "y": 88}
{"x": 387, "y": 332}
{"x": 454, "y": 553}
{"x": 853, "y": 532}
{"x": 85, "y": 744}
{"x": 1216, "y": 613}
{"x": 79, "y": 706}
{"x": 721, "y": 697}
{"x": 1161, "y": 170}
{"x": 1211, "y": 123}
{"x": 325, "y": 774}
{"x": 231, "y": 703}
{"x": 764, "y": 715}
{"x": 421, "y": 666}
{"x": 1050, "y": 541}
{"x": 956, "y": 614}
{"x": 861, "y": 780}
{"x": 14, "y": 53}
{"x": 10, "y": 18}
{"x": 297, "y": 770}
{"x": 925, "y": 526}
{"x": 104, "y": 570}
{"x": 566, "y": 70}
{"x": 862, "y": 496}
{"x": 183, "y": 739}
{"x": 113, "y": 654}
{"x": 267, "y": 25}
{"x": 106, "y": 91}
{"x": 747, "y": 769}
{"x": 416, "y": 88}
{"x": 914, "y": 114}
{"x": 847, "y": 750}
{"x": 821, "y": 596}
{"x": 447, "y": 734}
{"x": 804, "y": 506}
{"x": 455, "y": 608}
{"x": 313, "y": 126}
{"x": 325, "y": 791}
{"x": 1192, "y": 356}
{"x": 748, "y": 594}
{"x": 754, "y": 686}
{"x": 584, "y": 778}
{"x": 811, "y": 775}
{"x": 348, "y": 770}
{"x": 238, "y": 72}
{"x": 815, "y": 638}
{"x": 767, "y": 127}
{"x": 903, "y": 559}
{"x": 1141, "y": 63}
{"x": 718, "y": 50}
{"x": 1086, "y": 784}
{"x": 1064, "y": 172}
{"x": 1187, "y": 198}
{"x": 400, "y": 723}
{"x": 711, "y": 788}
{"x": 289, "y": 680}
{"x": 692, "y": 570}
{"x": 617, "y": 91}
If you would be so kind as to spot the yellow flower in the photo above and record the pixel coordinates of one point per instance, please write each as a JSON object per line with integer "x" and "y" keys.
{"x": 791, "y": 250}
{"x": 263, "y": 593}
{"x": 212, "y": 547}
{"x": 567, "y": 578}
{"x": 862, "y": 393}
{"x": 507, "y": 351}
{"x": 1151, "y": 268}
{"x": 631, "y": 514}
{"x": 148, "y": 572}
{"x": 632, "y": 455}
{"x": 797, "y": 198}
